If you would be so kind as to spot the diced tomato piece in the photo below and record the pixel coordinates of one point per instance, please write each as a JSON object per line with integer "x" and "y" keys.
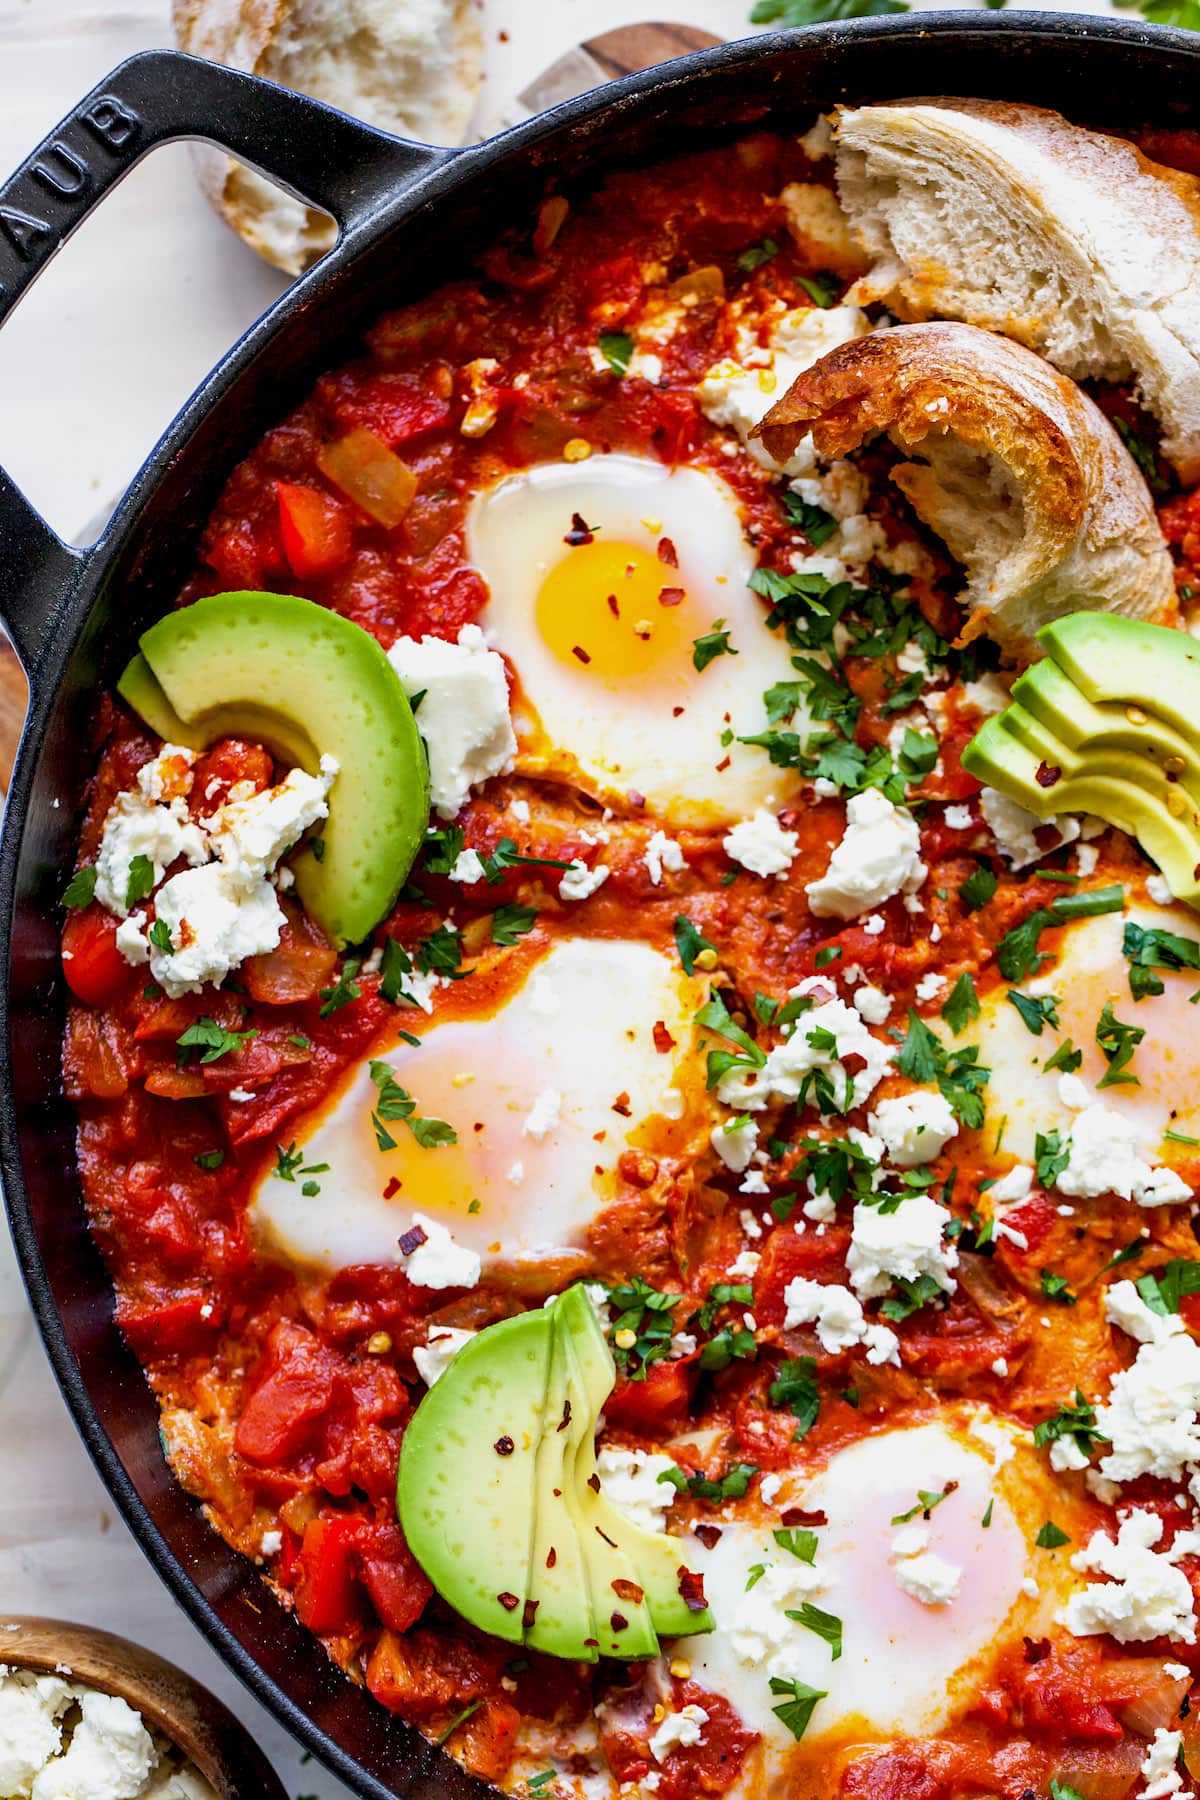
{"x": 315, "y": 531}
{"x": 905, "y": 1773}
{"x": 301, "y": 964}
{"x": 487, "y": 1740}
{"x": 180, "y": 1326}
{"x": 657, "y": 1405}
{"x": 228, "y": 763}
{"x": 786, "y": 1255}
{"x": 94, "y": 968}
{"x": 426, "y": 1672}
{"x": 294, "y": 1386}
{"x": 95, "y": 1065}
{"x": 398, "y": 1586}
{"x": 327, "y": 1595}
{"x": 714, "y": 1764}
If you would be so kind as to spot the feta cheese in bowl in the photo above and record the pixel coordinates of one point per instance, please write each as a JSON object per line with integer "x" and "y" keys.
{"x": 85, "y": 1715}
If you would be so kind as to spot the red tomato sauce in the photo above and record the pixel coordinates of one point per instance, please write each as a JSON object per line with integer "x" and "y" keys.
{"x": 285, "y": 1399}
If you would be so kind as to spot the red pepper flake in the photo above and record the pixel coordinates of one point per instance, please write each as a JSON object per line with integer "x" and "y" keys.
{"x": 666, "y": 553}
{"x": 551, "y": 1557}
{"x": 671, "y": 596}
{"x": 691, "y": 1590}
{"x": 723, "y": 765}
{"x": 529, "y": 1614}
{"x": 566, "y": 1418}
{"x": 677, "y": 712}
{"x": 580, "y": 532}
{"x": 581, "y": 655}
{"x": 1036, "y": 1649}
{"x": 592, "y": 1643}
{"x": 412, "y": 1239}
{"x": 613, "y": 608}
{"x": 1047, "y": 775}
{"x": 663, "y": 1041}
{"x": 611, "y": 1542}
{"x": 621, "y": 1105}
{"x": 393, "y": 1188}
{"x": 708, "y": 1535}
{"x": 629, "y": 1590}
{"x": 619, "y": 1622}
{"x": 504, "y": 1446}
{"x": 799, "y": 1515}
{"x": 509, "y": 1602}
{"x": 594, "y": 1484}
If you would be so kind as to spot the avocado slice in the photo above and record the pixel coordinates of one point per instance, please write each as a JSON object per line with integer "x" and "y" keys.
{"x": 1110, "y": 658}
{"x": 656, "y": 1558}
{"x": 1049, "y": 694}
{"x": 305, "y": 682}
{"x": 563, "y": 1624}
{"x": 1113, "y": 762}
{"x": 467, "y": 1486}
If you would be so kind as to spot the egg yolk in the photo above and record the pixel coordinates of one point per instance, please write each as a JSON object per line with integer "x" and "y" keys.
{"x": 615, "y": 611}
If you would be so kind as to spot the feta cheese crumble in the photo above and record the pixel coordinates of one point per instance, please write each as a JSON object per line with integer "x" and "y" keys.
{"x": 544, "y": 1114}
{"x": 922, "y": 1573}
{"x": 761, "y": 845}
{"x": 143, "y": 821}
{"x": 1159, "y": 1769}
{"x": 60, "y": 1740}
{"x": 1146, "y": 1596}
{"x": 735, "y": 1142}
{"x": 1013, "y": 827}
{"x": 914, "y": 1127}
{"x": 434, "y": 1356}
{"x": 1103, "y": 1159}
{"x": 1150, "y": 1417}
{"x": 463, "y": 717}
{"x": 662, "y": 853}
{"x": 790, "y": 1064}
{"x": 630, "y": 1479}
{"x": 872, "y": 1004}
{"x": 839, "y": 1319}
{"x": 579, "y": 882}
{"x": 676, "y": 1730}
{"x": 439, "y": 1262}
{"x": 878, "y": 856}
{"x": 904, "y": 1244}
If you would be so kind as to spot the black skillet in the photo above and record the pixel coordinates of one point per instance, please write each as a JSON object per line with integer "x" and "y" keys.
{"x": 411, "y": 216}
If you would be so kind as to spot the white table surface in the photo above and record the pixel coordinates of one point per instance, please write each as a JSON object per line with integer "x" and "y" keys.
{"x": 92, "y": 367}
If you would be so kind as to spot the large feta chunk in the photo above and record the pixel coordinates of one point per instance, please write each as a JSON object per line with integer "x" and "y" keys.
{"x": 1014, "y": 828}
{"x": 900, "y": 1245}
{"x": 631, "y": 1479}
{"x": 879, "y": 855}
{"x": 915, "y": 1127}
{"x": 1103, "y": 1159}
{"x": 762, "y": 845}
{"x": 438, "y": 1261}
{"x": 250, "y": 836}
{"x": 839, "y": 1319}
{"x": 1146, "y": 1595}
{"x": 215, "y": 920}
{"x": 110, "y": 1756}
{"x": 135, "y": 826}
{"x": 463, "y": 715}
{"x": 30, "y": 1707}
{"x": 735, "y": 1142}
{"x": 1150, "y": 1417}
{"x": 792, "y": 1066}
{"x": 677, "y": 1730}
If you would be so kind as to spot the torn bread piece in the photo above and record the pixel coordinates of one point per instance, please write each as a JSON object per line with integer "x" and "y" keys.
{"x": 1010, "y": 217}
{"x": 412, "y": 67}
{"x": 1019, "y": 472}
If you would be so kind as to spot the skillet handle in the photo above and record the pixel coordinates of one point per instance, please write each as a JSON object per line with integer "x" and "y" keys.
{"x": 320, "y": 155}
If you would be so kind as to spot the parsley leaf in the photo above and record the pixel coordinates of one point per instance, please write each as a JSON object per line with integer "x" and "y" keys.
{"x": 616, "y": 347}
{"x": 1050, "y": 1537}
{"x": 642, "y": 1325}
{"x": 757, "y": 254}
{"x": 913, "y": 1295}
{"x": 140, "y": 880}
{"x": 1148, "y": 950}
{"x": 921, "y": 1054}
{"x": 344, "y": 990}
{"x": 978, "y": 888}
{"x": 731, "y": 1486}
{"x": 822, "y": 290}
{"x": 690, "y": 943}
{"x": 918, "y": 754}
{"x": 1037, "y": 1011}
{"x": 1062, "y": 1790}
{"x": 714, "y": 1016}
{"x": 209, "y": 1159}
{"x": 1163, "y": 1289}
{"x": 506, "y": 856}
{"x": 925, "y": 1503}
{"x": 81, "y": 889}
{"x": 1076, "y": 1421}
{"x": 1056, "y": 1287}
{"x": 795, "y": 1386}
{"x": 396, "y": 964}
{"x": 1066, "y": 1057}
{"x": 816, "y": 524}
{"x": 205, "y": 1034}
{"x": 512, "y": 922}
{"x": 714, "y": 643}
{"x": 440, "y": 953}
{"x": 396, "y": 1103}
{"x": 961, "y": 1005}
{"x": 798, "y": 1541}
{"x": 1051, "y": 1156}
{"x": 825, "y": 1624}
{"x": 796, "y": 1712}
{"x": 1117, "y": 1042}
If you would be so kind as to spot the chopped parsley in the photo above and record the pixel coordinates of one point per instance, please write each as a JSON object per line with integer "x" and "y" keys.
{"x": 81, "y": 889}
{"x": 1077, "y": 1421}
{"x": 826, "y": 1625}
{"x": 1117, "y": 1042}
{"x": 1051, "y": 1156}
{"x": 213, "y": 1039}
{"x": 1062, "y": 1790}
{"x": 822, "y": 289}
{"x": 733, "y": 1485}
{"x": 796, "y": 1712}
{"x": 714, "y": 1016}
{"x": 616, "y": 347}
{"x": 466, "y": 1713}
{"x": 795, "y": 1387}
{"x": 140, "y": 881}
{"x": 506, "y": 856}
{"x": 512, "y": 922}
{"x": 691, "y": 943}
{"x": 642, "y": 1325}
{"x": 912, "y": 1296}
{"x": 978, "y": 888}
{"x": 397, "y": 1104}
{"x": 396, "y": 964}
{"x": 961, "y": 1004}
{"x": 289, "y": 1162}
{"x": 442, "y": 848}
{"x": 798, "y": 1541}
{"x": 1148, "y": 950}
{"x": 440, "y": 953}
{"x": 1163, "y": 1289}
{"x": 756, "y": 255}
{"x": 345, "y": 988}
{"x": 1036, "y": 1010}
{"x": 925, "y": 1503}
{"x": 816, "y": 524}
{"x": 1018, "y": 955}
{"x": 923, "y": 1058}
{"x": 1050, "y": 1537}
{"x": 209, "y": 1159}
{"x": 1065, "y": 1057}
{"x": 1056, "y": 1287}
{"x": 712, "y": 644}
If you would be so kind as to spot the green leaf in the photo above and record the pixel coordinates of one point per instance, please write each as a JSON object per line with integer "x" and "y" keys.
{"x": 925, "y": 1504}
{"x": 209, "y": 1159}
{"x": 616, "y": 347}
{"x": 1051, "y": 1157}
{"x": 1142, "y": 452}
{"x": 396, "y": 1103}
{"x": 1066, "y": 1057}
{"x": 1090, "y": 904}
{"x": 1037, "y": 1011}
{"x": 918, "y": 754}
{"x": 1163, "y": 1289}
{"x": 913, "y": 1295}
{"x": 816, "y": 524}
{"x": 826, "y": 1625}
{"x": 81, "y": 889}
{"x": 506, "y": 856}
{"x": 731, "y": 1486}
{"x": 1186, "y": 14}
{"x": 1056, "y": 1287}
{"x": 714, "y": 643}
{"x": 160, "y": 936}
{"x": 441, "y": 849}
{"x": 512, "y": 922}
{"x": 205, "y": 1034}
{"x": 1050, "y": 1537}
{"x": 922, "y": 1054}
{"x": 1017, "y": 954}
{"x": 440, "y": 953}
{"x": 906, "y": 693}
{"x": 781, "y": 701}
{"x": 649, "y": 1314}
{"x": 796, "y": 1712}
{"x": 798, "y": 1541}
{"x": 795, "y": 1387}
{"x": 757, "y": 254}
{"x": 344, "y": 990}
{"x": 140, "y": 881}
{"x": 1062, "y": 1790}
{"x": 466, "y": 1713}
{"x": 978, "y": 888}
{"x": 822, "y": 290}
{"x": 1148, "y": 950}
{"x": 1117, "y": 1042}
{"x": 396, "y": 964}
{"x": 961, "y": 1005}
{"x": 689, "y": 942}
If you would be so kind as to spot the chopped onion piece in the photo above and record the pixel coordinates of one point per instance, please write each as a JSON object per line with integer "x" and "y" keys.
{"x": 370, "y": 474}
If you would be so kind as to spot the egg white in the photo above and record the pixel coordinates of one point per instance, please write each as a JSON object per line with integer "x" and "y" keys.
{"x": 638, "y": 717}
{"x": 581, "y": 1026}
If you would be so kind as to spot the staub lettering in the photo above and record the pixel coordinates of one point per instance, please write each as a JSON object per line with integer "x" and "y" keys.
{"x": 111, "y": 122}
{"x": 23, "y": 232}
{"x": 62, "y": 172}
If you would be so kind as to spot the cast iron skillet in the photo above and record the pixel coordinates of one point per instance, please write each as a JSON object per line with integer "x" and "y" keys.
{"x": 410, "y": 217}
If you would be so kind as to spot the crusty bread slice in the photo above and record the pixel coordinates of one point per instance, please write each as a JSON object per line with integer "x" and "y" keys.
{"x": 1009, "y": 217}
{"x": 412, "y": 67}
{"x": 1019, "y": 472}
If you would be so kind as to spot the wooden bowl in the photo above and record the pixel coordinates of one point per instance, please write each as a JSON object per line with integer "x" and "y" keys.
{"x": 186, "y": 1713}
